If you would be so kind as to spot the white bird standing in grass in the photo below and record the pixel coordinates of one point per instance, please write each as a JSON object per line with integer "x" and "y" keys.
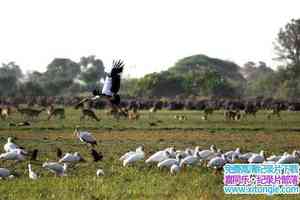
{"x": 205, "y": 154}
{"x": 245, "y": 157}
{"x": 71, "y": 158}
{"x": 85, "y": 137}
{"x": 275, "y": 158}
{"x": 162, "y": 155}
{"x": 32, "y": 174}
{"x": 129, "y": 153}
{"x": 100, "y": 172}
{"x": 56, "y": 168}
{"x": 139, "y": 155}
{"x": 289, "y": 158}
{"x": 190, "y": 160}
{"x": 217, "y": 163}
{"x": 10, "y": 146}
{"x": 13, "y": 155}
{"x": 175, "y": 168}
{"x": 5, "y": 173}
{"x": 234, "y": 153}
{"x": 257, "y": 158}
{"x": 170, "y": 161}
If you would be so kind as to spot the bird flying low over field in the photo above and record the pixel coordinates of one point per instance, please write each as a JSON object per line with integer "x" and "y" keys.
{"x": 111, "y": 86}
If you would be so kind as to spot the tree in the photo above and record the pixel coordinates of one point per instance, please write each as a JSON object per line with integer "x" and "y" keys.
{"x": 10, "y": 75}
{"x": 287, "y": 44}
{"x": 60, "y": 75}
{"x": 92, "y": 70}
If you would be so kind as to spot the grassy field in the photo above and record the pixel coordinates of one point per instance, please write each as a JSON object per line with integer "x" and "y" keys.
{"x": 140, "y": 181}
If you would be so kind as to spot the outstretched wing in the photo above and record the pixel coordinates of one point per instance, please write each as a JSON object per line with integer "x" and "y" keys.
{"x": 115, "y": 75}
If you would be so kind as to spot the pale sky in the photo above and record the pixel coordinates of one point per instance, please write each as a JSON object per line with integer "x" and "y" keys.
{"x": 149, "y": 35}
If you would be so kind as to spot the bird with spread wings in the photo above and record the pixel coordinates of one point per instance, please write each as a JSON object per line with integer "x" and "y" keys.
{"x": 110, "y": 88}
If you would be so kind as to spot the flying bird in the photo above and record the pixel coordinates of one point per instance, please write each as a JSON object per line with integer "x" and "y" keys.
{"x": 110, "y": 88}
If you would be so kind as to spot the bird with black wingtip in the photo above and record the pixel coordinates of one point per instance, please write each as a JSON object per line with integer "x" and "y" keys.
{"x": 110, "y": 88}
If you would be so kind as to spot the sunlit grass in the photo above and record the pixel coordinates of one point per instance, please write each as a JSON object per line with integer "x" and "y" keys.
{"x": 139, "y": 181}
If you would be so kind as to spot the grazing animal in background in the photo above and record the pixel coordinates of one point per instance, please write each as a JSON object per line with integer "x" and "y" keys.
{"x": 53, "y": 112}
{"x": 96, "y": 156}
{"x": 29, "y": 112}
{"x": 88, "y": 113}
{"x": 207, "y": 111}
{"x": 133, "y": 115}
{"x": 25, "y": 123}
{"x": 180, "y": 117}
{"x": 85, "y": 137}
{"x": 5, "y": 112}
{"x": 152, "y": 111}
{"x": 231, "y": 115}
{"x": 274, "y": 112}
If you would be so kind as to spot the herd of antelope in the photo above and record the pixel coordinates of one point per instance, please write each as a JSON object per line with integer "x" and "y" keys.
{"x": 59, "y": 112}
{"x": 132, "y": 113}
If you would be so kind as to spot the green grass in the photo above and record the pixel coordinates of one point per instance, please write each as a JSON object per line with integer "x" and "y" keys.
{"x": 140, "y": 181}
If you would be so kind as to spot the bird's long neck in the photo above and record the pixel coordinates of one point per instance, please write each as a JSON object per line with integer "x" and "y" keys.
{"x": 65, "y": 166}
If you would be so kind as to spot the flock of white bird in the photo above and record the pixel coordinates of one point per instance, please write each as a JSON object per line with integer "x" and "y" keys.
{"x": 169, "y": 158}
{"x": 212, "y": 158}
